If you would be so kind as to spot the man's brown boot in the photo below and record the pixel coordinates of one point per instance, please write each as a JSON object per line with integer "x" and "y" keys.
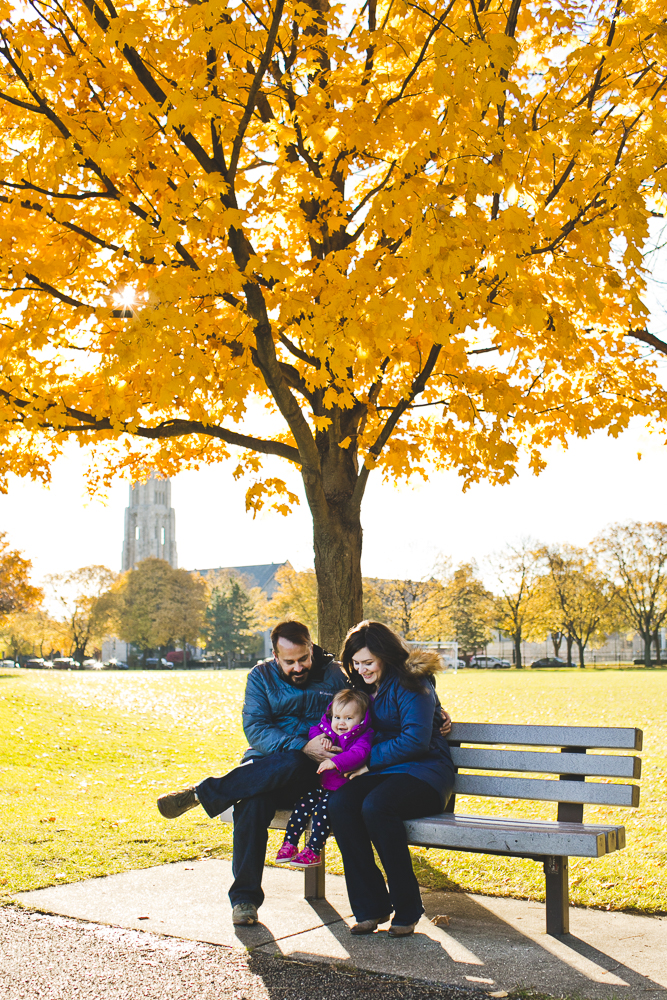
{"x": 174, "y": 804}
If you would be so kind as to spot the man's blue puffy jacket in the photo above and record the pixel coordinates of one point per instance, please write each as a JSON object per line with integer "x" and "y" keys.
{"x": 276, "y": 714}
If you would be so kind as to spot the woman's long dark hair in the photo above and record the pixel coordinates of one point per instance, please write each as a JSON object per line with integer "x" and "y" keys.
{"x": 387, "y": 646}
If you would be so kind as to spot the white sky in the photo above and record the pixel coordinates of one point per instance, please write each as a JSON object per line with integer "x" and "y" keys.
{"x": 594, "y": 483}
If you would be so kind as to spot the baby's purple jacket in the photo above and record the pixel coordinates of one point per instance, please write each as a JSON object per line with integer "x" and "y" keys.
{"x": 355, "y": 750}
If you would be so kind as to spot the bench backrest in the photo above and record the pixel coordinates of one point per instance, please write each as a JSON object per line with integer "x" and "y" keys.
{"x": 572, "y": 762}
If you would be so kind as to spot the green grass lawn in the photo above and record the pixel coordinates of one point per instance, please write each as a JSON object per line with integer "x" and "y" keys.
{"x": 85, "y": 755}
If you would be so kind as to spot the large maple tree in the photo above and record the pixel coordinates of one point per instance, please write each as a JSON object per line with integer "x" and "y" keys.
{"x": 412, "y": 230}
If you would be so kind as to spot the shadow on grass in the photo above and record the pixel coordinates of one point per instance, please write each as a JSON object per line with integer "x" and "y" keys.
{"x": 431, "y": 877}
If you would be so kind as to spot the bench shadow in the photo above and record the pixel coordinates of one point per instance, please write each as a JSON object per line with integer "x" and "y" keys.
{"x": 496, "y": 950}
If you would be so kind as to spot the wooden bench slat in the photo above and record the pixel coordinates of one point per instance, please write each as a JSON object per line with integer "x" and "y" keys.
{"x": 545, "y": 789}
{"x": 457, "y": 832}
{"x": 592, "y": 737}
{"x": 495, "y": 833}
{"x": 547, "y": 763}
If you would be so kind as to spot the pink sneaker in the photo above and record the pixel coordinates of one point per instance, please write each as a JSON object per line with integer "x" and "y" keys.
{"x": 286, "y": 853}
{"x": 307, "y": 859}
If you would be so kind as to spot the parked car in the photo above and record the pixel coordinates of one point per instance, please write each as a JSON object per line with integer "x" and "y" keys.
{"x": 157, "y": 663}
{"x": 7, "y": 663}
{"x": 91, "y": 665}
{"x": 549, "y": 661}
{"x": 489, "y": 663}
{"x": 115, "y": 665}
{"x": 65, "y": 663}
{"x": 38, "y": 663}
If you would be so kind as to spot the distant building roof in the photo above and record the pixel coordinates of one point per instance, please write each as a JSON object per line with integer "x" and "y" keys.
{"x": 262, "y": 576}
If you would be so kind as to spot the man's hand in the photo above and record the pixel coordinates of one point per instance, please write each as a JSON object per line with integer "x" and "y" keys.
{"x": 326, "y": 765}
{"x": 446, "y": 726}
{"x": 317, "y": 751}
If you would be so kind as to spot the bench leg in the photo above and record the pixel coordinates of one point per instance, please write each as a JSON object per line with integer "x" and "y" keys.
{"x": 558, "y": 896}
{"x": 313, "y": 880}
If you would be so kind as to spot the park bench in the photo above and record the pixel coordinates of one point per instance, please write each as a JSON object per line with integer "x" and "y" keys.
{"x": 480, "y": 748}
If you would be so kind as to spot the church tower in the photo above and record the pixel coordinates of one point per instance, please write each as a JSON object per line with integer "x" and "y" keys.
{"x": 150, "y": 524}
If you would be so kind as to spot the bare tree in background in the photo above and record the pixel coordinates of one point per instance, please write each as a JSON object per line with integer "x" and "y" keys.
{"x": 634, "y": 557}
{"x": 518, "y": 608}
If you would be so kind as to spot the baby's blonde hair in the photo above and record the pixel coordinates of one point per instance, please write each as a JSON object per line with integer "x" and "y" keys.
{"x": 347, "y": 695}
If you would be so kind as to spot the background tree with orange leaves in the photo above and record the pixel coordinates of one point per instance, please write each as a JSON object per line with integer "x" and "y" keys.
{"x": 411, "y": 230}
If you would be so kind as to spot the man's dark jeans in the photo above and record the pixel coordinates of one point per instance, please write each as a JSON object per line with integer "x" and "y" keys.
{"x": 256, "y": 789}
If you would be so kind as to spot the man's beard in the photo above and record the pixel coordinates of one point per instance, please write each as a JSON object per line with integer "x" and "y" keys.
{"x": 299, "y": 681}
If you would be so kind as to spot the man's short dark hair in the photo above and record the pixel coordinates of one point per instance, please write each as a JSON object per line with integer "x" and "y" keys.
{"x": 292, "y": 631}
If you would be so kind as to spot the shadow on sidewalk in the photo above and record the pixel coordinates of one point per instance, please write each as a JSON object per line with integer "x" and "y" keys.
{"x": 476, "y": 949}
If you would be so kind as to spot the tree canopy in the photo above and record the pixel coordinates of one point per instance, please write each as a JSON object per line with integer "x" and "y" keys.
{"x": 157, "y": 604}
{"x": 634, "y": 556}
{"x": 230, "y": 621}
{"x": 16, "y": 592}
{"x": 413, "y": 232}
{"x": 86, "y": 607}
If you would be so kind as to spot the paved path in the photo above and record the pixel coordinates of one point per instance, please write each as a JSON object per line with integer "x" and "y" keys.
{"x": 488, "y": 944}
{"x": 57, "y": 958}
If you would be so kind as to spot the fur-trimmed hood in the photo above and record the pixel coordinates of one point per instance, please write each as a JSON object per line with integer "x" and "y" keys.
{"x": 424, "y": 663}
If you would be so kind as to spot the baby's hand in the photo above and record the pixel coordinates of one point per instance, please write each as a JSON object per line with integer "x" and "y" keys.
{"x": 326, "y": 765}
{"x": 326, "y": 743}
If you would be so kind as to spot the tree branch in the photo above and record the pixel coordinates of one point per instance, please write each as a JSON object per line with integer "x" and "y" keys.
{"x": 297, "y": 352}
{"x": 648, "y": 338}
{"x": 418, "y": 386}
{"x": 167, "y": 429}
{"x": 254, "y": 87}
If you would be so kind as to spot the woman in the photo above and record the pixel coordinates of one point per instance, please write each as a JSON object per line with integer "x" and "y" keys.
{"x": 409, "y": 774}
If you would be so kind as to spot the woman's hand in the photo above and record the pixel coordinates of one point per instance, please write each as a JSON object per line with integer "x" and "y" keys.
{"x": 446, "y": 725}
{"x": 355, "y": 774}
{"x": 326, "y": 765}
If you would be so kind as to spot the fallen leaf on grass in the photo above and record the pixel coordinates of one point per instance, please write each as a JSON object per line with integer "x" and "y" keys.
{"x": 442, "y": 920}
{"x": 498, "y": 993}
{"x": 143, "y": 918}
{"x": 478, "y": 979}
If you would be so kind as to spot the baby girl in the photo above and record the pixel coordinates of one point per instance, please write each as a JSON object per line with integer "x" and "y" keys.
{"x": 346, "y": 725}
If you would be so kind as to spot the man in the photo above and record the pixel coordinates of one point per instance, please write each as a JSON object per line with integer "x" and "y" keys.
{"x": 285, "y": 695}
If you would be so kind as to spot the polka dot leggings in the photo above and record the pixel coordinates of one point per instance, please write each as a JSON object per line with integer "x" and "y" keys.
{"x": 314, "y": 803}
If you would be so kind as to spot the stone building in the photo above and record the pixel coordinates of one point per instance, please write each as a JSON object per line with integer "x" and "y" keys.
{"x": 150, "y": 524}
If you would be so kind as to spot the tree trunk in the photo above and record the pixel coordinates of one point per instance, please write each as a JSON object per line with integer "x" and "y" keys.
{"x": 517, "y": 649}
{"x": 185, "y": 655}
{"x": 340, "y": 604}
{"x": 647, "y": 637}
{"x": 656, "y": 639}
{"x": 569, "y": 640}
{"x": 581, "y": 647}
{"x": 337, "y": 537}
{"x": 556, "y": 639}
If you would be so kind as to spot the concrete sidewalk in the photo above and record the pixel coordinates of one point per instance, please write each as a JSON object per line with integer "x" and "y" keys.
{"x": 493, "y": 944}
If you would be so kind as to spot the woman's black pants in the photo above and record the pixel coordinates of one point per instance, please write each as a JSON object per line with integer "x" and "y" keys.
{"x": 369, "y": 811}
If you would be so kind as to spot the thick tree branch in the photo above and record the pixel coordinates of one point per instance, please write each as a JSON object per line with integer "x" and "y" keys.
{"x": 167, "y": 429}
{"x": 648, "y": 338}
